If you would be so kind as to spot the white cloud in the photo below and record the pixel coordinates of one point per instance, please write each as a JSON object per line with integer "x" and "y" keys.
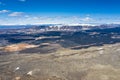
{"x": 4, "y": 11}
{"x": 23, "y": 18}
{"x": 36, "y": 18}
{"x": 87, "y": 19}
{"x": 26, "y": 16}
{"x": 22, "y": 0}
{"x": 16, "y": 14}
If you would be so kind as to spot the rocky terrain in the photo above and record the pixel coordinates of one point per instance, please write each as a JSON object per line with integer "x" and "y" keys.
{"x": 94, "y": 63}
{"x": 17, "y": 47}
{"x": 60, "y": 55}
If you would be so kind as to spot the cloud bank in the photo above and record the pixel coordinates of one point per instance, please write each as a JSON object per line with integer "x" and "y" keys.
{"x": 16, "y": 14}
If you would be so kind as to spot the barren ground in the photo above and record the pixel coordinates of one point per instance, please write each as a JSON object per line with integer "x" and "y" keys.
{"x": 94, "y": 63}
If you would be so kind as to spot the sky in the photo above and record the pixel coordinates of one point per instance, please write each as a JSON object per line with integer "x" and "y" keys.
{"x": 19, "y": 12}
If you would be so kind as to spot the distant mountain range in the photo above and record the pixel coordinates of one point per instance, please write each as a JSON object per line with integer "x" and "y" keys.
{"x": 55, "y": 27}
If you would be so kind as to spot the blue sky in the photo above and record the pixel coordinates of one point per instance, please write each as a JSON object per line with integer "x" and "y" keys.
{"x": 59, "y": 11}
